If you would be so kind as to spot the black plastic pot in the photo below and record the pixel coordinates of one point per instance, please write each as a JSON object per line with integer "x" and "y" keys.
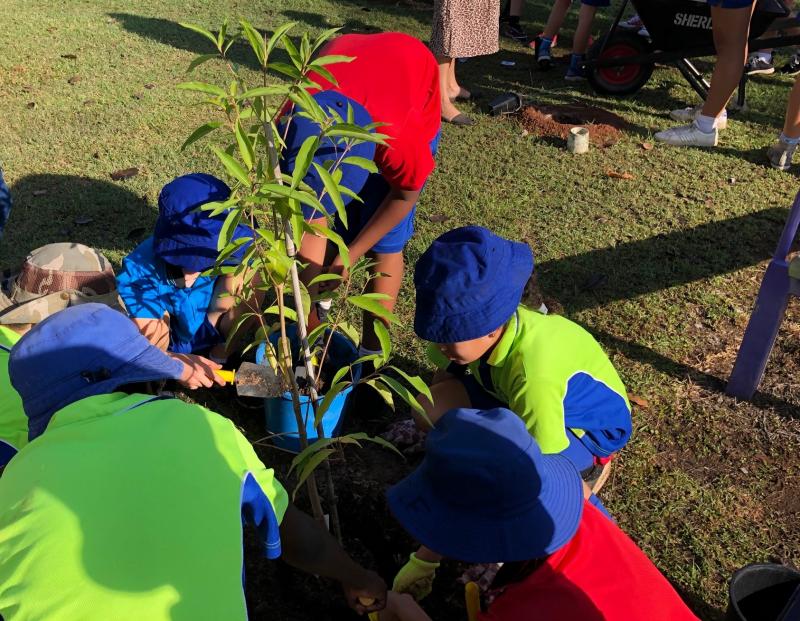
{"x": 761, "y": 592}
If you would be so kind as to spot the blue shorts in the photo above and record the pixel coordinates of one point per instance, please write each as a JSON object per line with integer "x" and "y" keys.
{"x": 6, "y": 453}
{"x": 581, "y": 457}
{"x": 731, "y": 4}
{"x": 373, "y": 193}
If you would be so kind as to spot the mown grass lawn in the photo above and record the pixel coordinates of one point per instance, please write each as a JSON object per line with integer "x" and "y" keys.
{"x": 663, "y": 268}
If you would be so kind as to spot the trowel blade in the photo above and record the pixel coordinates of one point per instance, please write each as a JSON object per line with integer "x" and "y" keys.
{"x": 257, "y": 380}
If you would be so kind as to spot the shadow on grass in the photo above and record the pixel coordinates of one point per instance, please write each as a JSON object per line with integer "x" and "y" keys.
{"x": 57, "y": 208}
{"x": 319, "y": 21}
{"x": 635, "y": 268}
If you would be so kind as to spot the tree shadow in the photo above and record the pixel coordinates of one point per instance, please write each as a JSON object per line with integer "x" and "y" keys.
{"x": 173, "y": 34}
{"x": 52, "y": 208}
{"x": 633, "y": 268}
{"x": 349, "y": 25}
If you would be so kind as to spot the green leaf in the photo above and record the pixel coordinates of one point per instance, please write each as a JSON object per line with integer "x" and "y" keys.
{"x": 304, "y": 158}
{"x": 333, "y": 236}
{"x": 201, "y": 131}
{"x": 233, "y": 167}
{"x": 373, "y": 306}
{"x": 310, "y": 465}
{"x": 309, "y": 106}
{"x": 232, "y": 247}
{"x": 332, "y": 393}
{"x": 200, "y": 30}
{"x": 275, "y": 189}
{"x": 203, "y": 87}
{"x": 415, "y": 382}
{"x": 353, "y": 196}
{"x": 246, "y": 150}
{"x": 361, "y": 162}
{"x": 324, "y": 278}
{"x": 323, "y": 37}
{"x": 199, "y": 60}
{"x": 350, "y": 332}
{"x": 291, "y": 49}
{"x": 381, "y": 442}
{"x": 330, "y": 59}
{"x": 265, "y": 91}
{"x": 327, "y": 75}
{"x": 317, "y": 332}
{"x": 383, "y": 391}
{"x": 279, "y": 33}
{"x": 333, "y": 191}
{"x": 348, "y": 130}
{"x": 383, "y": 337}
{"x": 256, "y": 41}
{"x": 297, "y": 221}
{"x": 307, "y": 452}
{"x": 274, "y": 310}
{"x": 232, "y": 220}
{"x": 403, "y": 392}
{"x": 341, "y": 373}
{"x": 287, "y": 70}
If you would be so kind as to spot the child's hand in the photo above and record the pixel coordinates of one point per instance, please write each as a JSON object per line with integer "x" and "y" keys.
{"x": 415, "y": 577}
{"x": 368, "y": 596}
{"x": 402, "y": 607}
{"x": 198, "y": 371}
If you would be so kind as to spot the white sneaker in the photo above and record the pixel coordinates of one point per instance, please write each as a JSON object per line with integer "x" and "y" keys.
{"x": 634, "y": 22}
{"x": 780, "y": 155}
{"x": 687, "y": 115}
{"x": 688, "y": 136}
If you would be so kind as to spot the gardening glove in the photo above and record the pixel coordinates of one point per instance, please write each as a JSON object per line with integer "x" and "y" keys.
{"x": 415, "y": 577}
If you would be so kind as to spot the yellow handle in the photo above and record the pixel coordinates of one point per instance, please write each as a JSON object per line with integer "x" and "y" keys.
{"x": 473, "y": 599}
{"x": 228, "y": 376}
{"x": 373, "y": 616}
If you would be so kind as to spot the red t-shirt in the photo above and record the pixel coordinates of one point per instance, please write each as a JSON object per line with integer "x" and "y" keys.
{"x": 600, "y": 575}
{"x": 396, "y": 78}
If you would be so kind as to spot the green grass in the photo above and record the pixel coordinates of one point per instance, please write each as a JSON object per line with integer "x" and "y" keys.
{"x": 706, "y": 483}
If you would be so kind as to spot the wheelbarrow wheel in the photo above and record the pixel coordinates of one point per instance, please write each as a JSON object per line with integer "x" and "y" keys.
{"x": 622, "y": 79}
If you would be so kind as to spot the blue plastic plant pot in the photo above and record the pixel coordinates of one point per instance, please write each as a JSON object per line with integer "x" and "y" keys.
{"x": 279, "y": 411}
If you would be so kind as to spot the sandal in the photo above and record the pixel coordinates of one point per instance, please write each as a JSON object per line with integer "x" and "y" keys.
{"x": 460, "y": 119}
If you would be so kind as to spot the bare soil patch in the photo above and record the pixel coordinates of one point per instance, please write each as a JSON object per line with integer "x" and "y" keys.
{"x": 605, "y": 128}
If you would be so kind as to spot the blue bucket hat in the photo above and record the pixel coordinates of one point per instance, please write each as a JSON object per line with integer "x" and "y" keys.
{"x": 353, "y": 177}
{"x": 469, "y": 283}
{"x": 485, "y": 493}
{"x": 184, "y": 235}
{"x": 80, "y": 352}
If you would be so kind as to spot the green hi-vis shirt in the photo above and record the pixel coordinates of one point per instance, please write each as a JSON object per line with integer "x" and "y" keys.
{"x": 555, "y": 376}
{"x": 13, "y": 422}
{"x": 131, "y": 509}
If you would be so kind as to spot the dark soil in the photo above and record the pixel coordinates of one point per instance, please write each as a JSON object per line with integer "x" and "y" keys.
{"x": 605, "y": 128}
{"x": 276, "y": 591}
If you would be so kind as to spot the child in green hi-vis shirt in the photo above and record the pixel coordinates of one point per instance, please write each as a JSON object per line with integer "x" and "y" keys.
{"x": 493, "y": 351}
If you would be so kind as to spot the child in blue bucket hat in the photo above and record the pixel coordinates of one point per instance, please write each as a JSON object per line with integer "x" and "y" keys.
{"x": 392, "y": 79}
{"x": 494, "y": 351}
{"x": 172, "y": 302}
{"x": 134, "y": 503}
{"x": 486, "y": 493}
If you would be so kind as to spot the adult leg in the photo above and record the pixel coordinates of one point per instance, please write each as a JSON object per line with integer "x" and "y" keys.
{"x": 584, "y": 30}
{"x": 446, "y": 76}
{"x": 731, "y": 27}
{"x": 781, "y": 153}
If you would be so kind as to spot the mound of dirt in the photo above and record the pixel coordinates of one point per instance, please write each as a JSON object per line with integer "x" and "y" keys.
{"x": 605, "y": 128}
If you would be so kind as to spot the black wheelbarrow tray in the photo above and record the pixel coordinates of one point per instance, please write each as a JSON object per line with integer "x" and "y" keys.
{"x": 621, "y": 61}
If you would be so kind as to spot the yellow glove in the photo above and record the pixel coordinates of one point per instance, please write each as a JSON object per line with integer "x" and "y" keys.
{"x": 415, "y": 577}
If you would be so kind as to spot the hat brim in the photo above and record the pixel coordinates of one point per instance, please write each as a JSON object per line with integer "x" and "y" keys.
{"x": 477, "y": 537}
{"x": 150, "y": 365}
{"x": 30, "y": 311}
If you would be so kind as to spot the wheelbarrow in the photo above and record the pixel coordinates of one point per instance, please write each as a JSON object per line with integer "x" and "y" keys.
{"x": 621, "y": 62}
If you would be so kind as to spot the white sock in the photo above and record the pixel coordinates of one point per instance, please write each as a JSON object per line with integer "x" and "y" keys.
{"x": 705, "y": 123}
{"x": 766, "y": 56}
{"x": 787, "y": 140}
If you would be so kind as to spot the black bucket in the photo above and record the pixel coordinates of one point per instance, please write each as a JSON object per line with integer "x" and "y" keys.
{"x": 761, "y": 592}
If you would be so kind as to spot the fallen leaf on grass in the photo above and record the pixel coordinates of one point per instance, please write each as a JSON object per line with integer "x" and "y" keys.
{"x": 137, "y": 96}
{"x": 647, "y": 146}
{"x": 136, "y": 233}
{"x": 69, "y": 56}
{"x": 83, "y": 220}
{"x": 74, "y": 79}
{"x": 125, "y": 173}
{"x": 39, "y": 192}
{"x": 619, "y": 175}
{"x": 438, "y": 217}
{"x": 31, "y": 105}
{"x": 149, "y": 86}
{"x": 636, "y": 399}
{"x": 89, "y": 102}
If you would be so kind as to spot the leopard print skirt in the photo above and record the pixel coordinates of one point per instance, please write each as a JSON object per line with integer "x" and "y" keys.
{"x": 464, "y": 28}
